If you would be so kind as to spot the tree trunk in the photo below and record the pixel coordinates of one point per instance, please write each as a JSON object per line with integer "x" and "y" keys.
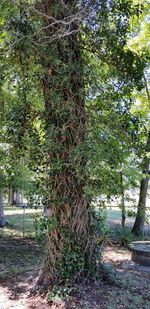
{"x": 17, "y": 197}
{"x": 123, "y": 210}
{"x": 70, "y": 246}
{"x": 2, "y": 217}
{"x": 11, "y": 196}
{"x": 138, "y": 228}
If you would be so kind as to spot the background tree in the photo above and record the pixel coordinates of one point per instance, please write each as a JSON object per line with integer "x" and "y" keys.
{"x": 139, "y": 45}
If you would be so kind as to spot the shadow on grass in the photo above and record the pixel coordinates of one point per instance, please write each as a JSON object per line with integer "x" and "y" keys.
{"x": 17, "y": 255}
{"x": 20, "y": 261}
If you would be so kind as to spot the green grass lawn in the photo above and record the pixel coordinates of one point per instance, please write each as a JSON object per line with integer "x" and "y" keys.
{"x": 15, "y": 216}
{"x": 18, "y": 254}
{"x": 114, "y": 214}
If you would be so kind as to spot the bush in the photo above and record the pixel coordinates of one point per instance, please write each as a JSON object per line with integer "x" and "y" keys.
{"x": 99, "y": 225}
{"x": 131, "y": 213}
{"x": 123, "y": 235}
{"x": 58, "y": 294}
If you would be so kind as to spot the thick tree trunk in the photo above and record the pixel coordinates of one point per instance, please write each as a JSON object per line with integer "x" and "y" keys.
{"x": 69, "y": 242}
{"x": 138, "y": 228}
{"x": 2, "y": 217}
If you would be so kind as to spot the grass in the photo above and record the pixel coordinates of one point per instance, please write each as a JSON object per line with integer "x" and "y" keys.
{"x": 15, "y": 216}
{"x": 114, "y": 214}
{"x": 18, "y": 253}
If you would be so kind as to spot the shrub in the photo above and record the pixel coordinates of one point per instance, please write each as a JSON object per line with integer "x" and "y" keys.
{"x": 123, "y": 235}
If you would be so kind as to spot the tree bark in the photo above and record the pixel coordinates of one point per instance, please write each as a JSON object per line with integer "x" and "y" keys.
{"x": 123, "y": 210}
{"x": 17, "y": 197}
{"x": 138, "y": 228}
{"x": 11, "y": 196}
{"x": 2, "y": 217}
{"x": 70, "y": 246}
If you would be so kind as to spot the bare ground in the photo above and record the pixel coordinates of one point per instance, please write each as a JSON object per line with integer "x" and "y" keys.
{"x": 123, "y": 286}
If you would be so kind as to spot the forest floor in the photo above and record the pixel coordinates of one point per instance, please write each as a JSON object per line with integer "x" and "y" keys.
{"x": 124, "y": 284}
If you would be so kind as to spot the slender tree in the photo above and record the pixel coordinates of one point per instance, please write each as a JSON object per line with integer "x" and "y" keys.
{"x": 138, "y": 44}
{"x": 138, "y": 227}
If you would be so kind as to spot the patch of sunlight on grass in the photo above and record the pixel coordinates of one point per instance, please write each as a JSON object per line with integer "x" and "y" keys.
{"x": 17, "y": 219}
{"x": 18, "y": 210}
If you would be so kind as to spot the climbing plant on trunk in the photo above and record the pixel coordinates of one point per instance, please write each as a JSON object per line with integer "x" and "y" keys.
{"x": 70, "y": 244}
{"x": 48, "y": 33}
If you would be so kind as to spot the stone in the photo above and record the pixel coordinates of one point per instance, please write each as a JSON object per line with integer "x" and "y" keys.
{"x": 140, "y": 252}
